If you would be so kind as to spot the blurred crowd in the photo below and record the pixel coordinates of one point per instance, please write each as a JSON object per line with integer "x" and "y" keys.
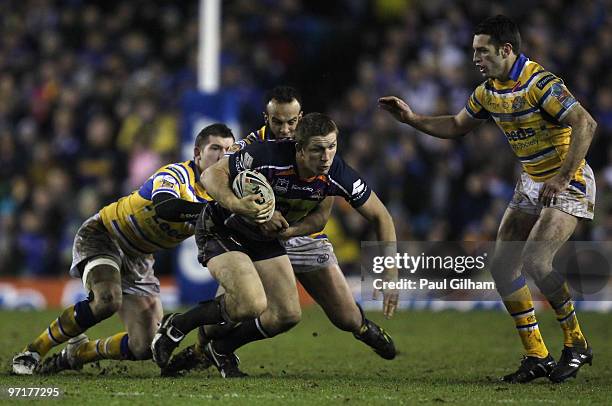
{"x": 90, "y": 105}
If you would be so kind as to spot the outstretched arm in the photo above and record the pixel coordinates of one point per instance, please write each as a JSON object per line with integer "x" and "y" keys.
{"x": 447, "y": 127}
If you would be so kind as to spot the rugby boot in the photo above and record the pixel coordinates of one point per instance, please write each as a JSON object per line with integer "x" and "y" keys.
{"x": 531, "y": 368}
{"x": 572, "y": 359}
{"x": 166, "y": 339}
{"x": 377, "y": 338}
{"x": 227, "y": 364}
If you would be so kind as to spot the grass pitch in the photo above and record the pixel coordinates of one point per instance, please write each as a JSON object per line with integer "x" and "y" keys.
{"x": 445, "y": 357}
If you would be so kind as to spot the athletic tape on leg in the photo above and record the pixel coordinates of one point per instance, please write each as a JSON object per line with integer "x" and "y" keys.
{"x": 97, "y": 262}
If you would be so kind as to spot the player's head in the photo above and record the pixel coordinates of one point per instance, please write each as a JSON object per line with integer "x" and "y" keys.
{"x": 497, "y": 42}
{"x": 283, "y": 111}
{"x": 211, "y": 144}
{"x": 316, "y": 139}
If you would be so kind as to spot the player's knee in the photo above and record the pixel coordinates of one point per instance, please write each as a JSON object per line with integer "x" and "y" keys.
{"x": 250, "y": 309}
{"x": 287, "y": 318}
{"x": 106, "y": 301}
{"x": 535, "y": 265}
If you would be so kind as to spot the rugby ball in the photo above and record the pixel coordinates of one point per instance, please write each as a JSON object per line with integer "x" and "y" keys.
{"x": 250, "y": 182}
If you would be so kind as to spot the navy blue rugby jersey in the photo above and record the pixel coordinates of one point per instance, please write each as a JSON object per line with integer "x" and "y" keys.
{"x": 296, "y": 196}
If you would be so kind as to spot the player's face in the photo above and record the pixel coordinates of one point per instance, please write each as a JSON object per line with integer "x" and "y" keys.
{"x": 282, "y": 118}
{"x": 212, "y": 152}
{"x": 318, "y": 155}
{"x": 488, "y": 60}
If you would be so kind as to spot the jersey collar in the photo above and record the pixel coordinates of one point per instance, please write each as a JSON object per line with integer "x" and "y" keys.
{"x": 517, "y": 67}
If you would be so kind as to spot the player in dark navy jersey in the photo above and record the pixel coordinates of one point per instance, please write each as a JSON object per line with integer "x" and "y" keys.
{"x": 312, "y": 256}
{"x": 259, "y": 284}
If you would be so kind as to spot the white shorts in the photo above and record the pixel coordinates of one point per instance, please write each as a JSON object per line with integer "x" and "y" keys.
{"x": 577, "y": 200}
{"x": 309, "y": 254}
{"x": 92, "y": 240}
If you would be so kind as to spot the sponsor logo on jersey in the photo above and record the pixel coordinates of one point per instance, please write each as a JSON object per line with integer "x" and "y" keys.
{"x": 544, "y": 81}
{"x": 303, "y": 188}
{"x": 358, "y": 187}
{"x": 520, "y": 134}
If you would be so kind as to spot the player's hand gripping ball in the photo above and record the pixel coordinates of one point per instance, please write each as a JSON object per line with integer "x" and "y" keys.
{"x": 250, "y": 182}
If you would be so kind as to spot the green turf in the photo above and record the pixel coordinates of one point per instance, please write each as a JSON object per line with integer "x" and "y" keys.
{"x": 446, "y": 357}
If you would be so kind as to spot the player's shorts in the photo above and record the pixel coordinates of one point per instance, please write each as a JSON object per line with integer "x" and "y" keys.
{"x": 93, "y": 240}
{"x": 309, "y": 254}
{"x": 577, "y": 200}
{"x": 213, "y": 238}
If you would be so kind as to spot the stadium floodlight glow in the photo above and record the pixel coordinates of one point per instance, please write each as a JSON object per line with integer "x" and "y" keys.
{"x": 209, "y": 45}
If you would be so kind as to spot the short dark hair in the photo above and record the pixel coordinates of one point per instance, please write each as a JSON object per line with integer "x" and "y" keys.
{"x": 218, "y": 129}
{"x": 313, "y": 125}
{"x": 283, "y": 94}
{"x": 502, "y": 30}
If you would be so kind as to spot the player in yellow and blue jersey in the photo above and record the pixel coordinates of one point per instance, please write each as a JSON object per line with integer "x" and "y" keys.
{"x": 113, "y": 255}
{"x": 550, "y": 133}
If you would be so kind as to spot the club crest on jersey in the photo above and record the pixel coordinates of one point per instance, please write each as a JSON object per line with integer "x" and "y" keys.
{"x": 281, "y": 185}
{"x": 518, "y": 103}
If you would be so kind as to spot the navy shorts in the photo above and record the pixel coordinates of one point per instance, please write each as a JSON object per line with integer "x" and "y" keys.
{"x": 214, "y": 238}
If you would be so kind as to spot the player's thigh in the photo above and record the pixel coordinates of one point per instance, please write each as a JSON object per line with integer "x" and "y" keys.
{"x": 329, "y": 288}
{"x": 141, "y": 316}
{"x": 515, "y": 225}
{"x": 239, "y": 279}
{"x": 549, "y": 233}
{"x": 279, "y": 283}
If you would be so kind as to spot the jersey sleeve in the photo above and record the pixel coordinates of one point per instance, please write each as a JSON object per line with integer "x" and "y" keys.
{"x": 346, "y": 182}
{"x": 165, "y": 181}
{"x": 252, "y": 156}
{"x": 552, "y": 96}
{"x": 474, "y": 106}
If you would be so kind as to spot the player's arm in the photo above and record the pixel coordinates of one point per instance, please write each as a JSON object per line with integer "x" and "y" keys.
{"x": 171, "y": 208}
{"x": 216, "y": 181}
{"x": 313, "y": 223}
{"x": 378, "y": 215}
{"x": 446, "y": 127}
{"x": 583, "y": 128}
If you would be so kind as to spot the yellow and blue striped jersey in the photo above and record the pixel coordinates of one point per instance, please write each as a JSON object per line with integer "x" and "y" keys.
{"x": 133, "y": 222}
{"x": 528, "y": 109}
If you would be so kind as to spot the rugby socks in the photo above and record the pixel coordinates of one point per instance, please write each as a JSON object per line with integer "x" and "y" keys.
{"x": 73, "y": 321}
{"x": 244, "y": 333}
{"x": 556, "y": 291}
{"x": 518, "y": 302}
{"x": 208, "y": 312}
{"x": 113, "y": 347}
{"x": 211, "y": 332}
{"x": 198, "y": 348}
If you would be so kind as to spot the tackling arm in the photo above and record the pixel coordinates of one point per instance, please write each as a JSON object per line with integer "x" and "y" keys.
{"x": 172, "y": 208}
{"x": 314, "y": 222}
